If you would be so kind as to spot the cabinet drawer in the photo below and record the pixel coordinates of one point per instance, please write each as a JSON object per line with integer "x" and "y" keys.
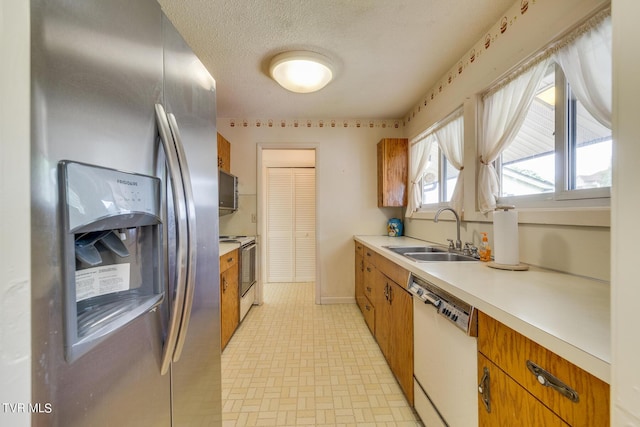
{"x": 510, "y": 351}
{"x": 228, "y": 260}
{"x": 510, "y": 404}
{"x": 369, "y": 281}
{"x": 368, "y": 311}
{"x": 359, "y": 248}
{"x": 370, "y": 256}
{"x": 393, "y": 271}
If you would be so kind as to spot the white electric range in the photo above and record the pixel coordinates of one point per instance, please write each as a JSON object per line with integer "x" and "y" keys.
{"x": 248, "y": 270}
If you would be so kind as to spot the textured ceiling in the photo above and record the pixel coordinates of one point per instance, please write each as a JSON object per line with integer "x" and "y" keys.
{"x": 387, "y": 53}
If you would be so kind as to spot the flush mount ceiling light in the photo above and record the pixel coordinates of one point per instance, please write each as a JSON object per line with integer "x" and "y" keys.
{"x": 301, "y": 71}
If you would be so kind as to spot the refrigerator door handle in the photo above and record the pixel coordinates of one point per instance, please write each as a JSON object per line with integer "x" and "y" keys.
{"x": 177, "y": 305}
{"x": 191, "y": 232}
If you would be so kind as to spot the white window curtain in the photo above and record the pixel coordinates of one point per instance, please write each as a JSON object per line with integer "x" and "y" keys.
{"x": 586, "y": 63}
{"x": 450, "y": 138}
{"x": 504, "y": 110}
{"x": 420, "y": 149}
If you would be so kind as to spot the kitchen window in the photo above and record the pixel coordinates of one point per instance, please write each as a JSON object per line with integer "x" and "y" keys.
{"x": 546, "y": 136}
{"x": 440, "y": 178}
{"x": 436, "y": 161}
{"x": 561, "y": 150}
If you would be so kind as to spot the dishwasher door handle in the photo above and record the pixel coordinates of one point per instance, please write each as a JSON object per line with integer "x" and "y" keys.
{"x": 430, "y": 298}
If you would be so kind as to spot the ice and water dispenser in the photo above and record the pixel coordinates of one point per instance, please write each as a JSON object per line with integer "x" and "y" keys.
{"x": 112, "y": 237}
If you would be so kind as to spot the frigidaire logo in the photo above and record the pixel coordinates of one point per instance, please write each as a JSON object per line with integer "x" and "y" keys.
{"x": 31, "y": 408}
{"x": 127, "y": 182}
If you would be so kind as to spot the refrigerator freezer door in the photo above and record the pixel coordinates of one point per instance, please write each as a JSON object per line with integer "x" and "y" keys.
{"x": 189, "y": 95}
{"x": 97, "y": 71}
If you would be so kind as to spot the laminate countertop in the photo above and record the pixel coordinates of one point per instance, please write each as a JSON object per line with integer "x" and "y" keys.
{"x": 226, "y": 247}
{"x": 567, "y": 314}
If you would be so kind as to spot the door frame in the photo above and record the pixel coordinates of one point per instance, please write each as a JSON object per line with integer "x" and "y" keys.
{"x": 261, "y": 209}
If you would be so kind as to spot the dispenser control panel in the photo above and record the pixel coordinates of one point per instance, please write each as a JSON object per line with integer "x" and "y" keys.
{"x": 96, "y": 192}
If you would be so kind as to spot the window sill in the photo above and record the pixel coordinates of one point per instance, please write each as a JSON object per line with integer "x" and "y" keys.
{"x": 579, "y": 216}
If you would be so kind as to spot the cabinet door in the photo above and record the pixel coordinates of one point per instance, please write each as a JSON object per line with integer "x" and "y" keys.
{"x": 401, "y": 337}
{"x": 510, "y": 404}
{"x": 229, "y": 304}
{"x": 392, "y": 172}
{"x": 512, "y": 351}
{"x": 383, "y": 312}
{"x": 224, "y": 154}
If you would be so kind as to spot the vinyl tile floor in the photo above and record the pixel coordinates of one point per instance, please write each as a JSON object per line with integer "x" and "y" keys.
{"x": 294, "y": 363}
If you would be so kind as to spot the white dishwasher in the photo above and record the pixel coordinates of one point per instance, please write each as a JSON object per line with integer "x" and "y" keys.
{"x": 445, "y": 357}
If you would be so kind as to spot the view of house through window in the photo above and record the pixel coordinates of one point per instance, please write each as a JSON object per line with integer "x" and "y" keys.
{"x": 440, "y": 178}
{"x": 583, "y": 153}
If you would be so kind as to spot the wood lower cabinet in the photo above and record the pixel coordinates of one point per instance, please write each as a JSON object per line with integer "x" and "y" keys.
{"x": 359, "y": 275}
{"x": 394, "y": 329}
{"x": 510, "y": 404}
{"x": 393, "y": 165}
{"x": 365, "y": 267}
{"x": 387, "y": 308}
{"x": 518, "y": 396}
{"x": 224, "y": 154}
{"x": 229, "y": 298}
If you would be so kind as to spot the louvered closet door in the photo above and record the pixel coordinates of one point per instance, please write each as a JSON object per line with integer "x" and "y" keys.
{"x": 290, "y": 224}
{"x": 305, "y": 224}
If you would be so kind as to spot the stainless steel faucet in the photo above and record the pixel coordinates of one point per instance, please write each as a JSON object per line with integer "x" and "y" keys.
{"x": 458, "y": 244}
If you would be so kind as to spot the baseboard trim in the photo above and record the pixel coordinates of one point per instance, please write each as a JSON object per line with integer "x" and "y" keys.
{"x": 337, "y": 300}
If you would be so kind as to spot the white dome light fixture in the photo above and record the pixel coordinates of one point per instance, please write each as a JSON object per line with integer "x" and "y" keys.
{"x": 301, "y": 71}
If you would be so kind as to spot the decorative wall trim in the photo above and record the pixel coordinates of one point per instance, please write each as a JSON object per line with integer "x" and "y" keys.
{"x": 315, "y": 123}
{"x": 471, "y": 58}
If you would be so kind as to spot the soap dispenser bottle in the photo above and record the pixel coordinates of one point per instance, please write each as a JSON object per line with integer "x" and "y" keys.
{"x": 485, "y": 249}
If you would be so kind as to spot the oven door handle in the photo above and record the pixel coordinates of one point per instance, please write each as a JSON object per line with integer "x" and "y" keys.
{"x": 248, "y": 247}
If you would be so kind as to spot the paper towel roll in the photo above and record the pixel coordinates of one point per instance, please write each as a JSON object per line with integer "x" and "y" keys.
{"x": 505, "y": 236}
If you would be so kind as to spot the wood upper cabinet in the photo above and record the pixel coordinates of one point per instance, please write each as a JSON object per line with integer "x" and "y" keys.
{"x": 393, "y": 165}
{"x": 229, "y": 298}
{"x": 224, "y": 154}
{"x": 518, "y": 366}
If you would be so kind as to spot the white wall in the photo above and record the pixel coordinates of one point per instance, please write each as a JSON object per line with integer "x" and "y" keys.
{"x": 625, "y": 289}
{"x": 15, "y": 238}
{"x": 346, "y": 184}
{"x": 576, "y": 242}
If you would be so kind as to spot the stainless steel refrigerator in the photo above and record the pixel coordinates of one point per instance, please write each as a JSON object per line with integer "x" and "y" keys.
{"x": 125, "y": 271}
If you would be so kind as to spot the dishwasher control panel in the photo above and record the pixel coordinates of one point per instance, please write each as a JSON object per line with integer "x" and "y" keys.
{"x": 460, "y": 313}
{"x": 456, "y": 315}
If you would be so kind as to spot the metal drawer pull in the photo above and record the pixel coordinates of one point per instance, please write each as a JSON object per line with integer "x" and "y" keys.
{"x": 483, "y": 389}
{"x": 548, "y": 380}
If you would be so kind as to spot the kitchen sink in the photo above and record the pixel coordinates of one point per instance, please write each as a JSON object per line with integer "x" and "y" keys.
{"x": 438, "y": 256}
{"x": 402, "y": 250}
{"x": 429, "y": 253}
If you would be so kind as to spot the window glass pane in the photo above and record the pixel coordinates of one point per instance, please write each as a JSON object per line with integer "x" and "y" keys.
{"x": 451, "y": 175}
{"x": 430, "y": 182}
{"x": 528, "y": 164}
{"x": 593, "y": 150}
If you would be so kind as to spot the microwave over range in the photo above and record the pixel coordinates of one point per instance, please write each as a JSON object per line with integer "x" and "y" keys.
{"x": 227, "y": 192}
